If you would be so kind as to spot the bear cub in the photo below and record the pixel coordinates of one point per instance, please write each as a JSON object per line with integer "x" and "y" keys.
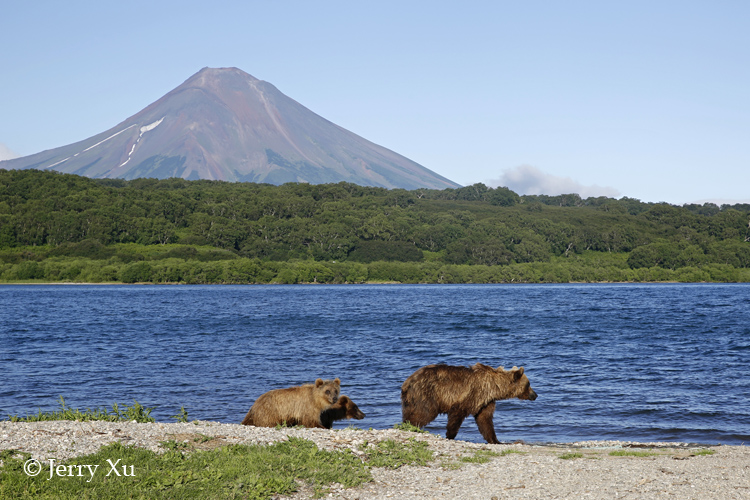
{"x": 343, "y": 408}
{"x": 299, "y": 405}
{"x": 461, "y": 391}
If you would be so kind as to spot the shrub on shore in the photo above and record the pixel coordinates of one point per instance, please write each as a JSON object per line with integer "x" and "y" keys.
{"x": 152, "y": 268}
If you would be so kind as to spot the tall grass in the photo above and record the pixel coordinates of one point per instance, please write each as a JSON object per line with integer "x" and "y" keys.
{"x": 136, "y": 412}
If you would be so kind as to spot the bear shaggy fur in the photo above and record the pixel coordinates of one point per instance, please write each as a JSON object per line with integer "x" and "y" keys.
{"x": 343, "y": 408}
{"x": 299, "y": 405}
{"x": 461, "y": 391}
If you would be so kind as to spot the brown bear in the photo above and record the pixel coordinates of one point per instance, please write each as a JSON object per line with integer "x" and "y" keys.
{"x": 461, "y": 391}
{"x": 299, "y": 405}
{"x": 343, "y": 408}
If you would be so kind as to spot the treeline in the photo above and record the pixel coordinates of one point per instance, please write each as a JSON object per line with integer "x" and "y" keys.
{"x": 62, "y": 227}
{"x": 131, "y": 263}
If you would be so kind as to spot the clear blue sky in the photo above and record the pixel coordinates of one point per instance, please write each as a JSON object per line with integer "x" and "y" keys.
{"x": 646, "y": 99}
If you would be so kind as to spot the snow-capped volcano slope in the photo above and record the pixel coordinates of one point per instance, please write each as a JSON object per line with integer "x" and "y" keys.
{"x": 224, "y": 124}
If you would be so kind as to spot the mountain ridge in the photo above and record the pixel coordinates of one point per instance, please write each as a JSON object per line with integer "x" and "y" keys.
{"x": 225, "y": 124}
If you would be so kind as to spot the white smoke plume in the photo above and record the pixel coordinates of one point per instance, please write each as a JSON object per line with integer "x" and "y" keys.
{"x": 6, "y": 153}
{"x": 527, "y": 179}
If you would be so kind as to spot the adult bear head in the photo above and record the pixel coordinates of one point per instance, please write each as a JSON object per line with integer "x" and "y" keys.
{"x": 520, "y": 381}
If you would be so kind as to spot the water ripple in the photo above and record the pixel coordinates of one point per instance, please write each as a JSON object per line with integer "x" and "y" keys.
{"x": 636, "y": 362}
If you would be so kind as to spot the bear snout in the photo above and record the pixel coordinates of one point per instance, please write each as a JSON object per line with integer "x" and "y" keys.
{"x": 532, "y": 394}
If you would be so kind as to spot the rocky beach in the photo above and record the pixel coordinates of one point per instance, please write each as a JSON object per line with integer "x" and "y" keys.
{"x": 590, "y": 469}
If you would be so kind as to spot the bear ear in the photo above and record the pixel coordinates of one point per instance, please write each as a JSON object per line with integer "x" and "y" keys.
{"x": 517, "y": 372}
{"x": 318, "y": 382}
{"x": 500, "y": 369}
{"x": 337, "y": 381}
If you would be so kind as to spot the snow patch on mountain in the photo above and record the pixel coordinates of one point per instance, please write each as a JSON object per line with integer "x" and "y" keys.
{"x": 108, "y": 138}
{"x": 143, "y": 130}
{"x": 90, "y": 147}
{"x": 152, "y": 126}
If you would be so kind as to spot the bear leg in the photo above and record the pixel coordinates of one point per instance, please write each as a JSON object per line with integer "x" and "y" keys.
{"x": 455, "y": 419}
{"x": 486, "y": 424}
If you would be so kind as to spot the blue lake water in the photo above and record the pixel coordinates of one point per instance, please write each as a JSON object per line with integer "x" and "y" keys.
{"x": 656, "y": 362}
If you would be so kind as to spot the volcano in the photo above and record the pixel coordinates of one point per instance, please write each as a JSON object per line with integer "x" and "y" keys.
{"x": 224, "y": 124}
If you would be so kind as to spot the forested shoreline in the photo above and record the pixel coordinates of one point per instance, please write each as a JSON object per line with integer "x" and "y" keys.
{"x": 66, "y": 228}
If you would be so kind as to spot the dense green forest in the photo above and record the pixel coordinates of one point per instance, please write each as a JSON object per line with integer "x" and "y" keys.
{"x": 59, "y": 227}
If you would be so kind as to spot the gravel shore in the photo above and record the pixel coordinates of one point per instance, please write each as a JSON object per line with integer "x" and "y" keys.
{"x": 676, "y": 470}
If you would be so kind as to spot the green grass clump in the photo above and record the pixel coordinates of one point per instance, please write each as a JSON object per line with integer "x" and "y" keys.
{"x": 630, "y": 453}
{"x": 393, "y": 455}
{"x": 234, "y": 471}
{"x": 407, "y": 426}
{"x": 182, "y": 416}
{"x": 450, "y": 465}
{"x": 569, "y": 456}
{"x": 510, "y": 452}
{"x": 136, "y": 412}
{"x": 284, "y": 425}
{"x": 190, "y": 442}
{"x": 480, "y": 457}
{"x": 703, "y": 452}
{"x": 173, "y": 445}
